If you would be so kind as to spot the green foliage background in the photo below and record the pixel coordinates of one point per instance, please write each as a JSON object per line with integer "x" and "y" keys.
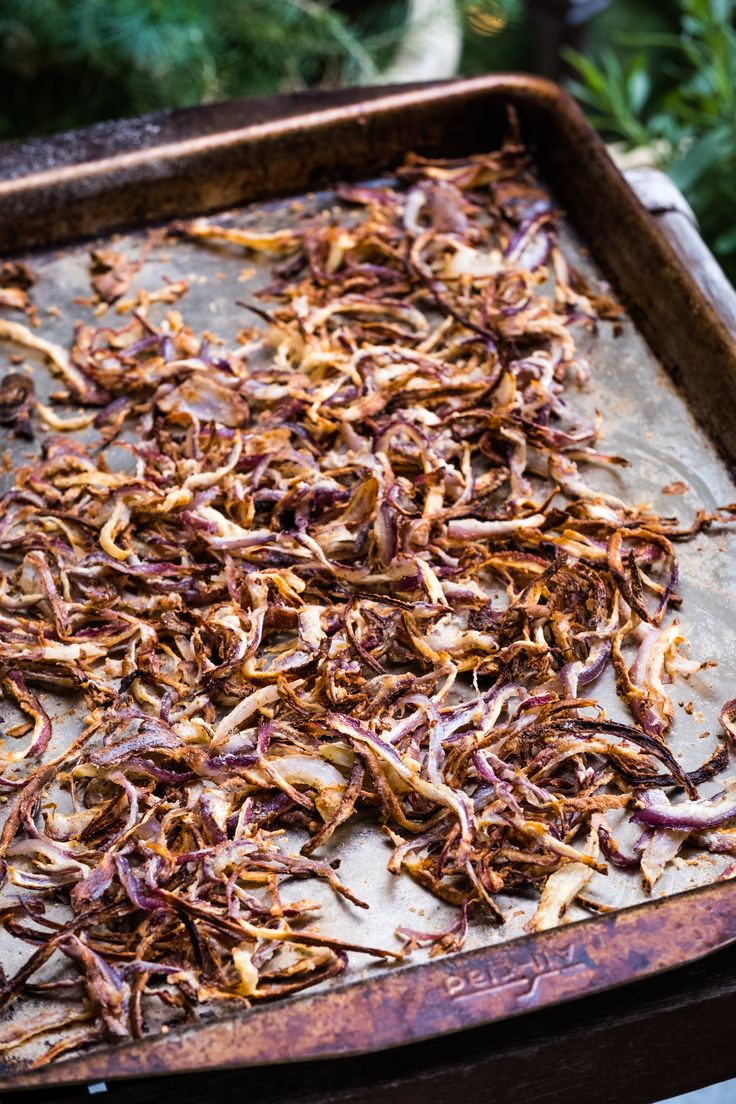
{"x": 674, "y": 91}
{"x": 65, "y": 63}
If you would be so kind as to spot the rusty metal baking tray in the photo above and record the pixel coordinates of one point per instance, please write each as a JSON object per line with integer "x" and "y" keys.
{"x": 667, "y": 388}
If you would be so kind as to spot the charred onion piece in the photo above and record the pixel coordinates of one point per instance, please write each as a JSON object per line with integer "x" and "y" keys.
{"x": 16, "y": 402}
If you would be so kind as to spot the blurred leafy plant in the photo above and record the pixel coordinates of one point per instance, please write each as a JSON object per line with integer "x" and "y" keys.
{"x": 67, "y": 63}
{"x": 70, "y": 62}
{"x": 676, "y": 94}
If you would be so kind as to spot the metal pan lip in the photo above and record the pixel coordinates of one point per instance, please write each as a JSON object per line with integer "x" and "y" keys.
{"x": 417, "y": 1003}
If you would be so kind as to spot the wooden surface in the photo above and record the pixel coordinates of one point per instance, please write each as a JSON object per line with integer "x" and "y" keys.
{"x": 638, "y": 1044}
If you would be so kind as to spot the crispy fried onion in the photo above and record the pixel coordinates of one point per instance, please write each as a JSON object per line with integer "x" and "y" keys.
{"x": 353, "y": 565}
